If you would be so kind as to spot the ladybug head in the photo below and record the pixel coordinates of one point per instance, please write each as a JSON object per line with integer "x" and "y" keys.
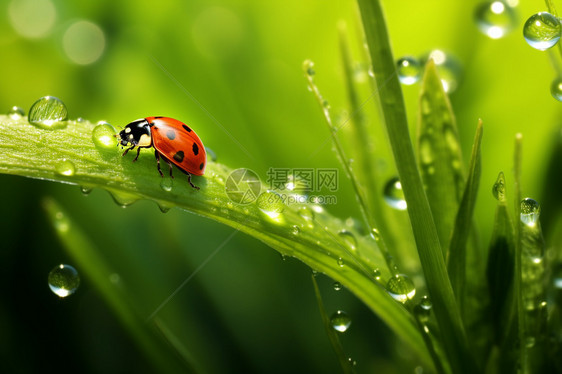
{"x": 136, "y": 133}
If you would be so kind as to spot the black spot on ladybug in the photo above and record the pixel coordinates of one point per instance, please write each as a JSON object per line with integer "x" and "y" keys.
{"x": 195, "y": 149}
{"x": 179, "y": 156}
{"x": 201, "y": 166}
{"x": 186, "y": 128}
{"x": 171, "y": 134}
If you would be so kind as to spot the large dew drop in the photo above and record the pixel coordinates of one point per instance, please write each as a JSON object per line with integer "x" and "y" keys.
{"x": 495, "y": 18}
{"x": 48, "y": 112}
{"x": 393, "y": 194}
{"x": 348, "y": 238}
{"x": 409, "y": 70}
{"x": 271, "y": 204}
{"x": 542, "y": 31}
{"x": 401, "y": 288}
{"x": 63, "y": 280}
{"x": 340, "y": 321}
{"x": 530, "y": 212}
{"x": 103, "y": 136}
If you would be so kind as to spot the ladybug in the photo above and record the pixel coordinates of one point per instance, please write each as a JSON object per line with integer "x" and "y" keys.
{"x": 172, "y": 140}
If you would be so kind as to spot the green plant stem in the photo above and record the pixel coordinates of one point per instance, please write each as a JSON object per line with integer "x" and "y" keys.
{"x": 425, "y": 233}
{"x": 518, "y": 268}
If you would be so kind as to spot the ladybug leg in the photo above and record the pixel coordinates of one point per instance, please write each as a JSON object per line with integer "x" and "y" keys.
{"x": 158, "y": 163}
{"x": 189, "y": 180}
{"x": 138, "y": 153}
{"x": 127, "y": 150}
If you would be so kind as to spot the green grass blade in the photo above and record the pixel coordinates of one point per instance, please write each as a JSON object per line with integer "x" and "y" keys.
{"x": 86, "y": 258}
{"x": 500, "y": 269}
{"x": 311, "y": 237}
{"x": 463, "y": 222}
{"x": 439, "y": 154}
{"x": 425, "y": 233}
{"x": 346, "y": 367}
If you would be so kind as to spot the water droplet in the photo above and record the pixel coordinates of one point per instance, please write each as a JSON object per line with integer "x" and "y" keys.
{"x": 377, "y": 274}
{"x": 401, "y": 288}
{"x": 48, "y": 112}
{"x": 371, "y": 72}
{"x": 295, "y": 230}
{"x": 63, "y": 280}
{"x": 556, "y": 88}
{"x": 80, "y": 120}
{"x": 16, "y": 113}
{"x": 348, "y": 238}
{"x": 123, "y": 199}
{"x": 542, "y": 31}
{"x": 164, "y": 207}
{"x": 426, "y": 151}
{"x": 448, "y": 67}
{"x": 271, "y": 204}
{"x": 86, "y": 190}
{"x": 495, "y": 18}
{"x": 530, "y": 212}
{"x": 426, "y": 303}
{"x": 341, "y": 262}
{"x": 557, "y": 278}
{"x": 66, "y": 168}
{"x": 306, "y": 213}
{"x": 393, "y": 194}
{"x": 337, "y": 286}
{"x": 340, "y": 321}
{"x": 103, "y": 136}
{"x": 308, "y": 67}
{"x": 211, "y": 155}
{"x": 375, "y": 234}
{"x": 498, "y": 190}
{"x": 167, "y": 184}
{"x": 409, "y": 70}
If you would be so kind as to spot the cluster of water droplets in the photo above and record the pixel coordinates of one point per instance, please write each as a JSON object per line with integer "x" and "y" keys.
{"x": 63, "y": 280}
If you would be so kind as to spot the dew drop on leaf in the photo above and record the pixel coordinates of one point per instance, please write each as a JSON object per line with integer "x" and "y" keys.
{"x": 123, "y": 199}
{"x": 166, "y": 184}
{"x": 530, "y": 212}
{"x": 271, "y": 204}
{"x": 401, "y": 288}
{"x": 340, "y": 262}
{"x": 448, "y": 67}
{"x": 495, "y": 18}
{"x": 16, "y": 113}
{"x": 63, "y": 280}
{"x": 103, "y": 136}
{"x": 48, "y": 112}
{"x": 498, "y": 190}
{"x": 65, "y": 168}
{"x": 348, "y": 238}
{"x": 409, "y": 70}
{"x": 340, "y": 321}
{"x": 542, "y": 31}
{"x": 393, "y": 194}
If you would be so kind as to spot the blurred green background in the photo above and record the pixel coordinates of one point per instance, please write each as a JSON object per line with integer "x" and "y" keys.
{"x": 246, "y": 310}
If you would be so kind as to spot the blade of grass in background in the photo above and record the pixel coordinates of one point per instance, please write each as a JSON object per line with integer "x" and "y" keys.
{"x": 463, "y": 222}
{"x": 94, "y": 267}
{"x": 429, "y": 249}
{"x": 345, "y": 364}
{"x": 439, "y": 155}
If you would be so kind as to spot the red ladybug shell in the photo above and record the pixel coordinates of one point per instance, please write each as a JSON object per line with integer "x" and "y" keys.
{"x": 178, "y": 143}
